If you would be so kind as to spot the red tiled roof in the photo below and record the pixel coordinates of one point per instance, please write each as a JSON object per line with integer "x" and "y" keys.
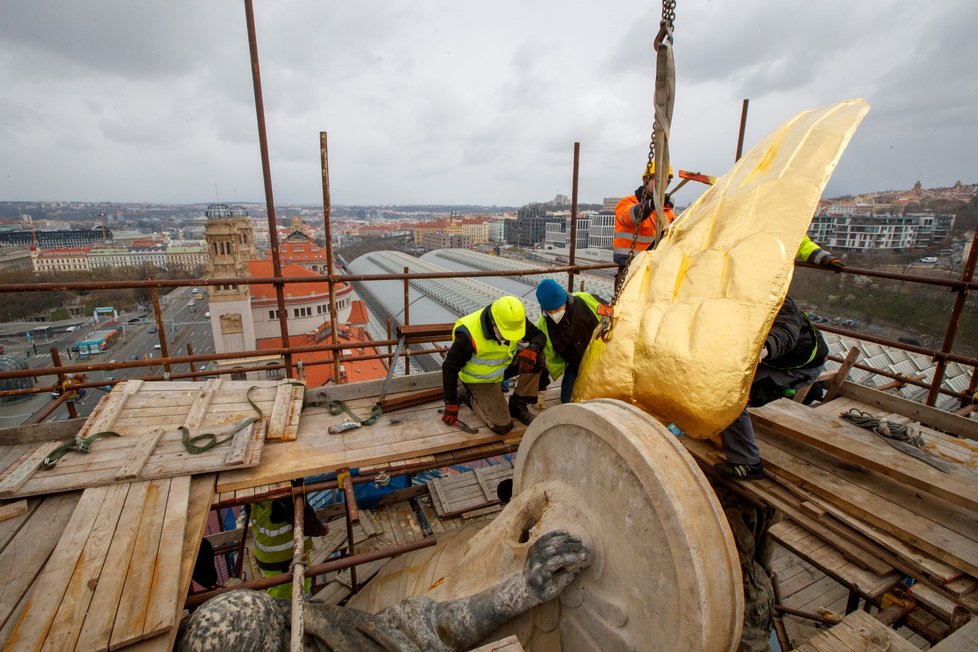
{"x": 317, "y": 375}
{"x": 358, "y": 313}
{"x": 290, "y": 270}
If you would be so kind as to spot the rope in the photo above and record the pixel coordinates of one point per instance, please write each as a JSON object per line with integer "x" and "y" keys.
{"x": 887, "y": 429}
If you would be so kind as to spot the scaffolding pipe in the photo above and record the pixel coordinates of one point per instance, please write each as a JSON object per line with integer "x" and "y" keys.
{"x": 298, "y": 569}
{"x": 573, "y": 225}
{"x": 328, "y": 226}
{"x": 266, "y": 170}
{"x": 319, "y": 569}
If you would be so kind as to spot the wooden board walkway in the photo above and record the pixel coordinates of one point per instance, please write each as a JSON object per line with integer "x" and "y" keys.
{"x": 104, "y": 568}
{"x": 406, "y": 433}
{"x": 148, "y": 416}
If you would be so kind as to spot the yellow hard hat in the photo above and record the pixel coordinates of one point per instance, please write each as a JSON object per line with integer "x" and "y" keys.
{"x": 510, "y": 317}
{"x": 650, "y": 170}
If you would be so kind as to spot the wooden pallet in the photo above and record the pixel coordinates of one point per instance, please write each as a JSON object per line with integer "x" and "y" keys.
{"x": 148, "y": 417}
{"x": 858, "y": 632}
{"x": 472, "y": 490}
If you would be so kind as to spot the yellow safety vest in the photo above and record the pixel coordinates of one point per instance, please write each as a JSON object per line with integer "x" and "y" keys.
{"x": 490, "y": 359}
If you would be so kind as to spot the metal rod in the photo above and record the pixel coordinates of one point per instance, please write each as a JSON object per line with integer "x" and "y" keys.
{"x": 407, "y": 319}
{"x": 63, "y": 379}
{"x": 328, "y": 226}
{"x": 967, "y": 275}
{"x": 743, "y": 128}
{"x": 239, "y": 560}
{"x": 573, "y": 225}
{"x": 825, "y": 620}
{"x": 69, "y": 286}
{"x": 319, "y": 569}
{"x": 352, "y": 516}
{"x": 190, "y": 354}
{"x": 298, "y": 572}
{"x": 160, "y": 330}
{"x": 266, "y": 170}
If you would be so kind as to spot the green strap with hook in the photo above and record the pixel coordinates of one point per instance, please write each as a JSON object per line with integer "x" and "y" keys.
{"x": 335, "y": 407}
{"x": 80, "y": 444}
{"x": 211, "y": 440}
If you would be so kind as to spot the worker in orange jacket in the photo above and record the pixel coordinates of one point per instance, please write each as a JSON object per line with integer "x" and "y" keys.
{"x": 636, "y": 213}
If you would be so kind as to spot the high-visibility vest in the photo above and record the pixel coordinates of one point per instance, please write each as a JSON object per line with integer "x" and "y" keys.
{"x": 554, "y": 361}
{"x": 625, "y": 227}
{"x": 490, "y": 358}
{"x": 273, "y": 541}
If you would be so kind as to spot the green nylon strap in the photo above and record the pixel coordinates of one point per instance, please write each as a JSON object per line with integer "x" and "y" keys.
{"x": 335, "y": 407}
{"x": 211, "y": 440}
{"x": 80, "y": 444}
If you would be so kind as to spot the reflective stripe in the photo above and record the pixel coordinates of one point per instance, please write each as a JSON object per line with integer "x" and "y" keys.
{"x": 271, "y": 548}
{"x": 488, "y": 361}
{"x": 495, "y": 374}
{"x": 490, "y": 358}
{"x": 274, "y": 533}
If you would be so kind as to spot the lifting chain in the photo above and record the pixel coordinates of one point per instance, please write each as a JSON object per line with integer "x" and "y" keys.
{"x": 665, "y": 90}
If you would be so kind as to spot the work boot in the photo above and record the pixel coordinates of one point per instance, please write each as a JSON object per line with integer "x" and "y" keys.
{"x": 464, "y": 397}
{"x": 519, "y": 411}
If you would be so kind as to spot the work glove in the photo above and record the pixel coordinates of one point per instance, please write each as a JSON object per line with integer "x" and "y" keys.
{"x": 836, "y": 264}
{"x": 526, "y": 361}
{"x": 450, "y": 414}
{"x": 667, "y": 201}
{"x": 763, "y": 353}
{"x": 648, "y": 207}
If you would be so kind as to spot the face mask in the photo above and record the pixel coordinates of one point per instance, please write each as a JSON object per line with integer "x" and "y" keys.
{"x": 557, "y": 316}
{"x": 499, "y": 336}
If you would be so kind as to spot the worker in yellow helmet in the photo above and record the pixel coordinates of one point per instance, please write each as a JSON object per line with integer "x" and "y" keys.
{"x": 488, "y": 346}
{"x": 636, "y": 213}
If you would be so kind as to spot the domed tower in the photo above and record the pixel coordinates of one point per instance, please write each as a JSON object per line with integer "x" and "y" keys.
{"x": 230, "y": 245}
{"x": 14, "y": 363}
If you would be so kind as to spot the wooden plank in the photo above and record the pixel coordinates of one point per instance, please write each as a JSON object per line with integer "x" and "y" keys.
{"x": 934, "y": 538}
{"x": 38, "y": 432}
{"x": 75, "y": 603}
{"x": 239, "y": 445}
{"x": 131, "y": 615}
{"x": 97, "y": 628}
{"x": 372, "y": 388}
{"x": 962, "y": 640}
{"x": 10, "y": 527}
{"x": 202, "y": 400}
{"x": 833, "y": 436}
{"x": 408, "y": 434}
{"x": 25, "y": 467}
{"x": 13, "y": 510}
{"x": 24, "y": 557}
{"x": 295, "y": 410}
{"x": 163, "y": 597}
{"x": 139, "y": 455}
{"x": 925, "y": 414}
{"x": 279, "y": 414}
{"x": 41, "y": 603}
{"x": 841, "y": 373}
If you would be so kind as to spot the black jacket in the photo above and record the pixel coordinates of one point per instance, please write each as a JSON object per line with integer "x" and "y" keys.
{"x": 793, "y": 339}
{"x": 570, "y": 337}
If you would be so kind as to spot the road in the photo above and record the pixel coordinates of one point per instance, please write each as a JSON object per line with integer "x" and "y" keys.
{"x": 184, "y": 325}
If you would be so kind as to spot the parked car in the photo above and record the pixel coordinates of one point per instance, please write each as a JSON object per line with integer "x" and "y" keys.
{"x": 153, "y": 329}
{"x": 929, "y": 259}
{"x": 207, "y": 315}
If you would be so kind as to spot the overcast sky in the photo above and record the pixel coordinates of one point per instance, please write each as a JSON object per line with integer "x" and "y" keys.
{"x": 458, "y": 102}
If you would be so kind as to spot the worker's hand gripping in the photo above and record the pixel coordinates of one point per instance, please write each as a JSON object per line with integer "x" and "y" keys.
{"x": 450, "y": 414}
{"x": 526, "y": 360}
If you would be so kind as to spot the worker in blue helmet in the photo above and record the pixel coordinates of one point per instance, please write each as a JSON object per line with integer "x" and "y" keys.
{"x": 488, "y": 346}
{"x": 568, "y": 321}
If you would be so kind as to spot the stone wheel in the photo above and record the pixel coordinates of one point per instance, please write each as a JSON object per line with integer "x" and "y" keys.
{"x": 666, "y": 573}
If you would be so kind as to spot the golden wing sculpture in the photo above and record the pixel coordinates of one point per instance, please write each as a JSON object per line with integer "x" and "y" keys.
{"x": 693, "y": 313}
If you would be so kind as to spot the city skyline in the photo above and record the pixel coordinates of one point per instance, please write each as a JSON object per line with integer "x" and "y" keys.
{"x": 154, "y": 103}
